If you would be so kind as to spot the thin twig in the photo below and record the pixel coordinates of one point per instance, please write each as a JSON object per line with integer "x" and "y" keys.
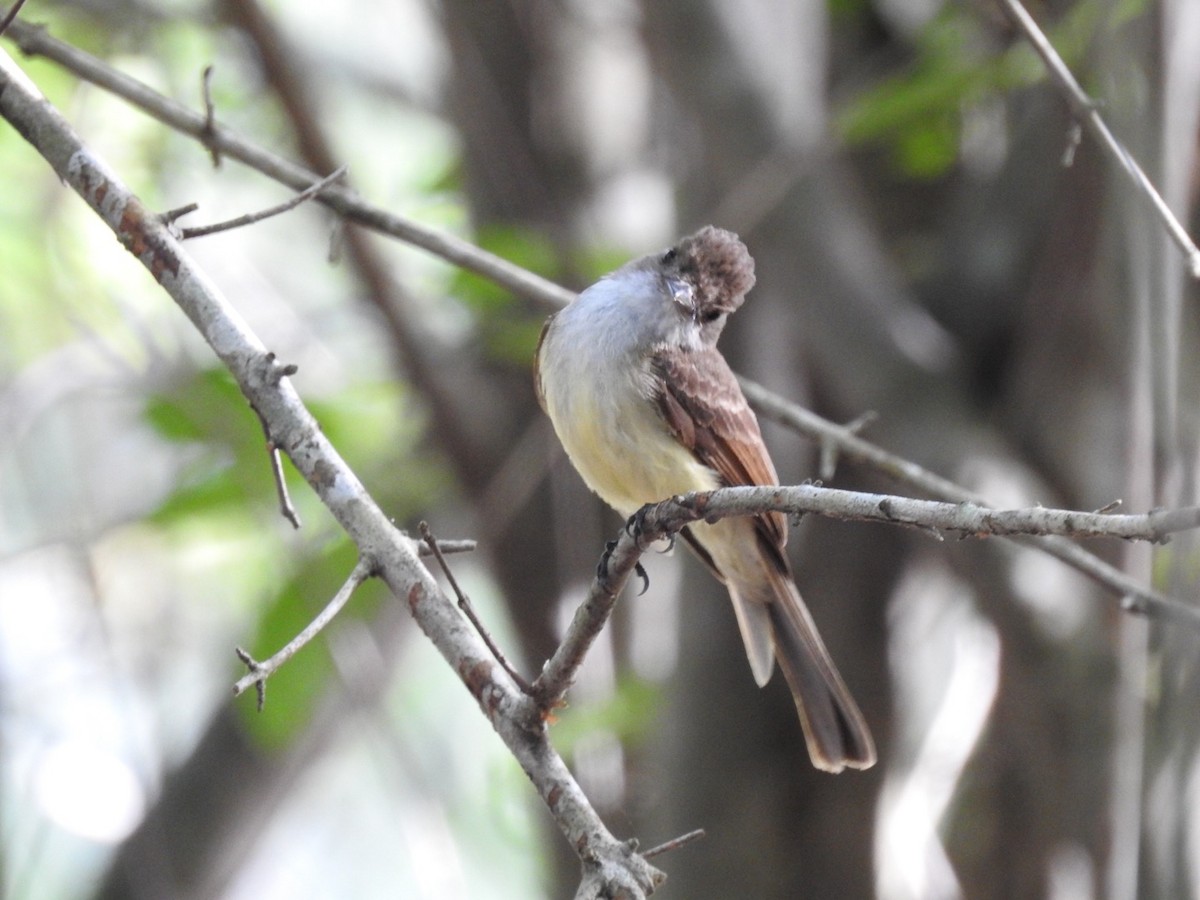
{"x": 210, "y": 116}
{"x": 675, "y": 843}
{"x": 173, "y": 215}
{"x": 36, "y": 41}
{"x": 286, "y": 509}
{"x": 464, "y": 603}
{"x": 448, "y": 547}
{"x": 11, "y": 16}
{"x": 261, "y": 671}
{"x": 1085, "y": 110}
{"x": 250, "y": 218}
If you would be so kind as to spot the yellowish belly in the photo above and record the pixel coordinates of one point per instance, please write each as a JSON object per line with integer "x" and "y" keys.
{"x": 629, "y": 458}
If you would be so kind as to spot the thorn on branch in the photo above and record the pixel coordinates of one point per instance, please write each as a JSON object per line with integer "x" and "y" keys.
{"x": 1109, "y": 507}
{"x": 675, "y": 843}
{"x": 277, "y": 371}
{"x": 172, "y": 215}
{"x": 286, "y": 509}
{"x": 250, "y": 218}
{"x": 464, "y": 603}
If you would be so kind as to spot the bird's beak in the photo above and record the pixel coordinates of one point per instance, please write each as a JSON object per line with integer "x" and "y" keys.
{"x": 681, "y": 293}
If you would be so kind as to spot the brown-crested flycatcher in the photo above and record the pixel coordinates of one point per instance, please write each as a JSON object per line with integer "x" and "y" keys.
{"x": 647, "y": 408}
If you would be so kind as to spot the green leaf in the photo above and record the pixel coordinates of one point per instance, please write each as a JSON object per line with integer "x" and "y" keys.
{"x": 929, "y": 149}
{"x": 172, "y": 420}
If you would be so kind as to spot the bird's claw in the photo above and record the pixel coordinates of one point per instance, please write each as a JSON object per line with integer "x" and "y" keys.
{"x": 602, "y": 566}
{"x": 636, "y": 525}
{"x": 606, "y": 557}
{"x": 641, "y": 572}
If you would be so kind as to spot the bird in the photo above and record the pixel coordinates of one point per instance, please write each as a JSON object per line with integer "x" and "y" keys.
{"x": 647, "y": 408}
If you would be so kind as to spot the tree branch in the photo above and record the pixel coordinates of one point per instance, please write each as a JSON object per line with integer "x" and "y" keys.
{"x": 606, "y": 860}
{"x": 36, "y": 41}
{"x": 468, "y": 608}
{"x": 261, "y": 671}
{"x": 10, "y": 16}
{"x": 286, "y": 509}
{"x": 1135, "y": 596}
{"x": 619, "y": 561}
{"x": 242, "y": 221}
{"x": 1085, "y": 110}
{"x": 965, "y": 519}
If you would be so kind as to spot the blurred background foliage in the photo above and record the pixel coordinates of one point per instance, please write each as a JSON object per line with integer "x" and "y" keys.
{"x": 895, "y": 167}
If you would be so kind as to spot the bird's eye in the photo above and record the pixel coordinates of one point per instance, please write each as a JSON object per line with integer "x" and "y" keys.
{"x": 669, "y": 257}
{"x": 710, "y": 315}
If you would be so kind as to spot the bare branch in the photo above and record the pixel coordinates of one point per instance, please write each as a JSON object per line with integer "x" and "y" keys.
{"x": 35, "y": 41}
{"x": 286, "y": 509}
{"x": 620, "y": 560}
{"x": 675, "y": 843}
{"x": 611, "y": 866}
{"x": 308, "y": 193}
{"x": 210, "y": 116}
{"x": 464, "y": 603}
{"x": 966, "y": 519}
{"x": 1135, "y": 596}
{"x": 261, "y": 671}
{"x": 445, "y": 547}
{"x": 1084, "y": 109}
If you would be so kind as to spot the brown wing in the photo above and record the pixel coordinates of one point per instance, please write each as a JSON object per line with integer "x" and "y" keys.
{"x": 699, "y": 397}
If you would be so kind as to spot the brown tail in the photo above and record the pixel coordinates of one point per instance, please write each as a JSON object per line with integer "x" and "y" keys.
{"x": 834, "y": 729}
{"x": 774, "y": 622}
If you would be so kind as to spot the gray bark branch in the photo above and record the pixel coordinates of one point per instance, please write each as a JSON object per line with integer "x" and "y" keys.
{"x": 611, "y": 866}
